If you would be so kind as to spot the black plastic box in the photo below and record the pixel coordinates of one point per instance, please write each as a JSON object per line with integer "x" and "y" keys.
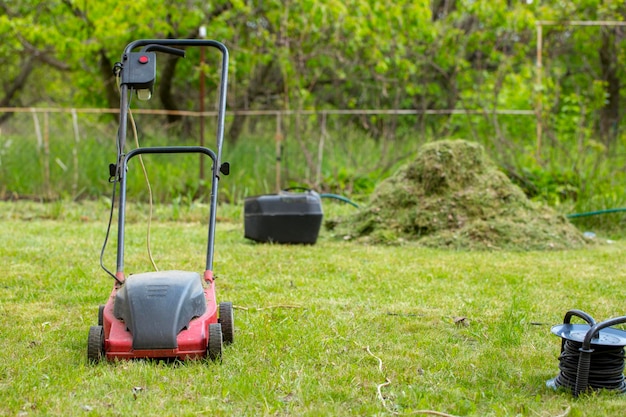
{"x": 286, "y": 217}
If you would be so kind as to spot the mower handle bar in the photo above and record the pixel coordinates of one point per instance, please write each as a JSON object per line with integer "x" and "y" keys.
{"x": 176, "y": 42}
{"x": 164, "y": 49}
{"x": 167, "y": 46}
{"x": 122, "y": 206}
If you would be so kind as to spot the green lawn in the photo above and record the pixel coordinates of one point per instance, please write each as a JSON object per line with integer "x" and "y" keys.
{"x": 337, "y": 328}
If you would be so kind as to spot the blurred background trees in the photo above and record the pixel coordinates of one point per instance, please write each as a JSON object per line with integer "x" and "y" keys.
{"x": 466, "y": 61}
{"x": 353, "y": 54}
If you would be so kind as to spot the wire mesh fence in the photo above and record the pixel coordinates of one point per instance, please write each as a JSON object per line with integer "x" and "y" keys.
{"x": 52, "y": 153}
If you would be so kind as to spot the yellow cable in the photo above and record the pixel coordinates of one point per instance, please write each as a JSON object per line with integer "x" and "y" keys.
{"x": 145, "y": 175}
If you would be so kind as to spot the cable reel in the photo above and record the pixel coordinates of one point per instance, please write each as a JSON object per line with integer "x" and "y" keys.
{"x": 592, "y": 355}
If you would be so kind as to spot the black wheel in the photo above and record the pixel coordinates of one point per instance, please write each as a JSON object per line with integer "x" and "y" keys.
{"x": 214, "y": 350}
{"x": 95, "y": 344}
{"x": 101, "y": 316}
{"x": 227, "y": 320}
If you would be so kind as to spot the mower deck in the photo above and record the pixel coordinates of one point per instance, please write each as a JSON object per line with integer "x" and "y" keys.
{"x": 159, "y": 314}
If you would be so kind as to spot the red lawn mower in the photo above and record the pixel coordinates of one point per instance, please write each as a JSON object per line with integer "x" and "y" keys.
{"x": 162, "y": 314}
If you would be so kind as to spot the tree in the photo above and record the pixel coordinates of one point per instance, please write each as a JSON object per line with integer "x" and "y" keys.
{"x": 586, "y": 61}
{"x": 85, "y": 39}
{"x": 21, "y": 56}
{"x": 287, "y": 54}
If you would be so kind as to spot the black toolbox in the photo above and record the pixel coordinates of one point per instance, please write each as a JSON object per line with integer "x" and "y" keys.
{"x": 286, "y": 217}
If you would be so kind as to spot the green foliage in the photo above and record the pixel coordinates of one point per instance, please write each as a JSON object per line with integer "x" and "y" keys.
{"x": 477, "y": 56}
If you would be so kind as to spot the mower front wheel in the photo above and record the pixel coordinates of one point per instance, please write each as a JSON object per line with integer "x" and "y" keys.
{"x": 227, "y": 320}
{"x": 214, "y": 350}
{"x": 95, "y": 344}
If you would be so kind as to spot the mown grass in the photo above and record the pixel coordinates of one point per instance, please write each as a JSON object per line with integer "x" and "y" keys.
{"x": 337, "y": 328}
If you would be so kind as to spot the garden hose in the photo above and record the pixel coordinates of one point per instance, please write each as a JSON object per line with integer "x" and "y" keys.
{"x": 595, "y": 213}
{"x": 325, "y": 195}
{"x": 340, "y": 198}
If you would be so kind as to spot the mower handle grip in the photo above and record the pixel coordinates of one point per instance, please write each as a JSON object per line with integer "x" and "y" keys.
{"x": 164, "y": 49}
{"x": 179, "y": 42}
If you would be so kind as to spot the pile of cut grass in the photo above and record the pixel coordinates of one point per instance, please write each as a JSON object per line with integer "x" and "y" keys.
{"x": 453, "y": 196}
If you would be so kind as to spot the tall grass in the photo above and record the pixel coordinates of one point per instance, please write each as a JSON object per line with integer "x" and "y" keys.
{"x": 331, "y": 154}
{"x": 58, "y": 165}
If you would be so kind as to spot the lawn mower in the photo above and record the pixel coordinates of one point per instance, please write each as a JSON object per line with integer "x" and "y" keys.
{"x": 162, "y": 314}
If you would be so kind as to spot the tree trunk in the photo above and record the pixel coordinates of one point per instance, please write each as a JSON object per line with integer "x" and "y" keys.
{"x": 106, "y": 71}
{"x": 267, "y": 81}
{"x": 441, "y": 8}
{"x": 165, "y": 88}
{"x": 17, "y": 85}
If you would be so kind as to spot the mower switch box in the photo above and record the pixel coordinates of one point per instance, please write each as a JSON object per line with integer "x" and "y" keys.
{"x": 140, "y": 70}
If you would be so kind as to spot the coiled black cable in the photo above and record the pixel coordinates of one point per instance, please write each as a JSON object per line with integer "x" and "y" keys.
{"x": 606, "y": 370}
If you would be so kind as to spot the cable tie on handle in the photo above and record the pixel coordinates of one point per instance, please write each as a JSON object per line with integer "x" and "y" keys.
{"x": 117, "y": 69}
{"x": 112, "y": 172}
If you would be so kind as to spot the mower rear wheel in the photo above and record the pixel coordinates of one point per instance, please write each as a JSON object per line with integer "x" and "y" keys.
{"x": 101, "y": 316}
{"x": 227, "y": 320}
{"x": 214, "y": 350}
{"x": 95, "y": 344}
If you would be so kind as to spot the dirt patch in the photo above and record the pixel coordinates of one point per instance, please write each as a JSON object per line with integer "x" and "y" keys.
{"x": 453, "y": 196}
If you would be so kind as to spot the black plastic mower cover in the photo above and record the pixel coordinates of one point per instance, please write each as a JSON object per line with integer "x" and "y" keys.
{"x": 156, "y": 306}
